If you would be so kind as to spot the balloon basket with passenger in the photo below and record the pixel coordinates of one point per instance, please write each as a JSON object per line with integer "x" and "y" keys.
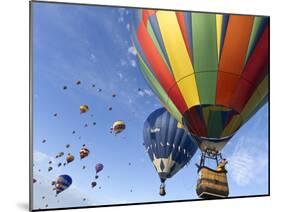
{"x": 212, "y": 183}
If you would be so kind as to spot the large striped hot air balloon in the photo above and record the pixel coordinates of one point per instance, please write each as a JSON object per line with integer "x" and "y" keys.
{"x": 169, "y": 147}
{"x": 210, "y": 71}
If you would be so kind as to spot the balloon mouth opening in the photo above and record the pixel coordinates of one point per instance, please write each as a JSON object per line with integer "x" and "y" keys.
{"x": 196, "y": 120}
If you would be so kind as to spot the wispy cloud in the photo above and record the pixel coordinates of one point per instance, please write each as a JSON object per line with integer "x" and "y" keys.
{"x": 132, "y": 50}
{"x": 248, "y": 161}
{"x": 93, "y": 58}
{"x": 133, "y": 63}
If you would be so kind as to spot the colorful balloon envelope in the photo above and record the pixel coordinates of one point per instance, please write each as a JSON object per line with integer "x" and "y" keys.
{"x": 169, "y": 148}
{"x": 118, "y": 127}
{"x": 84, "y": 108}
{"x": 210, "y": 71}
{"x": 84, "y": 152}
{"x": 98, "y": 168}
{"x": 69, "y": 158}
{"x": 62, "y": 183}
{"x": 93, "y": 184}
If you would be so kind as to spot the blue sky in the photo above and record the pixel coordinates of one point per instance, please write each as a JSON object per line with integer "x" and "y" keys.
{"x": 92, "y": 44}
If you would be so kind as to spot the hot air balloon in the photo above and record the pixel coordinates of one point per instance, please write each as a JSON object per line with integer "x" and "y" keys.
{"x": 69, "y": 158}
{"x": 118, "y": 127}
{"x": 211, "y": 94}
{"x": 64, "y": 87}
{"x": 84, "y": 152}
{"x": 60, "y": 154}
{"x": 170, "y": 148}
{"x": 78, "y": 82}
{"x": 67, "y": 145}
{"x": 62, "y": 183}
{"x": 98, "y": 167}
{"x": 93, "y": 184}
{"x": 84, "y": 108}
{"x": 210, "y": 71}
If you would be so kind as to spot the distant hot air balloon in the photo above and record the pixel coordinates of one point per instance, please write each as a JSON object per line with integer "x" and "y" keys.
{"x": 118, "y": 127}
{"x": 44, "y": 141}
{"x": 64, "y": 87}
{"x": 114, "y": 95}
{"x": 67, "y": 145}
{"x": 78, "y": 82}
{"x": 60, "y": 154}
{"x": 62, "y": 183}
{"x": 84, "y": 152}
{"x": 210, "y": 71}
{"x": 170, "y": 148}
{"x": 84, "y": 108}
{"x": 93, "y": 184}
{"x": 69, "y": 158}
{"x": 98, "y": 168}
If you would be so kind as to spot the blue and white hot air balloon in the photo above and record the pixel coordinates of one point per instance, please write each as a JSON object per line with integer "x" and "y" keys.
{"x": 62, "y": 183}
{"x": 168, "y": 145}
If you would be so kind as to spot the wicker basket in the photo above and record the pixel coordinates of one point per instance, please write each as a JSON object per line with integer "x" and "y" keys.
{"x": 212, "y": 184}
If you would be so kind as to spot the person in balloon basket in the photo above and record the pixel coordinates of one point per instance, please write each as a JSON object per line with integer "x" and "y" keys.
{"x": 221, "y": 165}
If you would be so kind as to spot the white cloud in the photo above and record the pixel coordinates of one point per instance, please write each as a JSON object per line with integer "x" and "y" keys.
{"x": 93, "y": 57}
{"x": 121, "y": 14}
{"x": 120, "y": 75}
{"x": 148, "y": 92}
{"x": 123, "y": 62}
{"x": 132, "y": 50}
{"x": 128, "y": 26}
{"x": 248, "y": 161}
{"x": 133, "y": 63}
{"x": 39, "y": 157}
{"x": 121, "y": 19}
{"x": 141, "y": 93}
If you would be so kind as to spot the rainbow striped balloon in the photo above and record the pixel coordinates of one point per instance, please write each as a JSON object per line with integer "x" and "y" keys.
{"x": 210, "y": 71}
